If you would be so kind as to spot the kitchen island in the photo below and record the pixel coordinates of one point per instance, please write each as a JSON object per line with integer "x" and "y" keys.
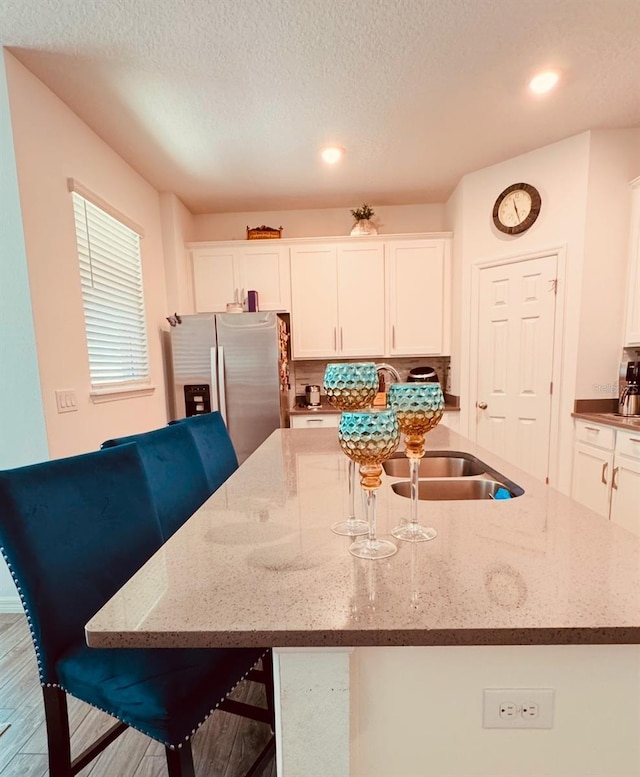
{"x": 534, "y": 591}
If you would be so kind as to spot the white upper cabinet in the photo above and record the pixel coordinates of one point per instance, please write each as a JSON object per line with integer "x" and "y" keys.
{"x": 632, "y": 332}
{"x": 363, "y": 298}
{"x": 314, "y": 301}
{"x": 337, "y": 300}
{"x": 419, "y": 294}
{"x": 224, "y": 273}
{"x": 214, "y": 278}
{"x": 361, "y": 305}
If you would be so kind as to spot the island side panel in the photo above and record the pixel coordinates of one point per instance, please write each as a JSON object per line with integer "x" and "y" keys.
{"x": 420, "y": 710}
{"x": 312, "y": 698}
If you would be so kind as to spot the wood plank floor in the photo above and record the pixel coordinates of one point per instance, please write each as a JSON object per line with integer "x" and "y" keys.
{"x": 224, "y": 746}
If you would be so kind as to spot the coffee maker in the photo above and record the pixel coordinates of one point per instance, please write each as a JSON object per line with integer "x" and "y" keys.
{"x": 629, "y": 402}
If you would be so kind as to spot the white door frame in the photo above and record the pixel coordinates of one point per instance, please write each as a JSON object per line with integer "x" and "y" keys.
{"x": 558, "y": 341}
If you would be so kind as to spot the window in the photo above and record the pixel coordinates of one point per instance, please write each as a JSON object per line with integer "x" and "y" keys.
{"x": 112, "y": 296}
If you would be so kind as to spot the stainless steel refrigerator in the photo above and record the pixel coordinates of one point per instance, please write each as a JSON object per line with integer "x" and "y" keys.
{"x": 236, "y": 363}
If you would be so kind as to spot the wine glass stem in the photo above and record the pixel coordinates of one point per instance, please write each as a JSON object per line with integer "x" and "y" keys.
{"x": 414, "y": 473}
{"x": 370, "y": 504}
{"x": 353, "y": 484}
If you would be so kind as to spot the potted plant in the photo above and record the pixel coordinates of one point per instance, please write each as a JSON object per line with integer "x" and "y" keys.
{"x": 363, "y": 225}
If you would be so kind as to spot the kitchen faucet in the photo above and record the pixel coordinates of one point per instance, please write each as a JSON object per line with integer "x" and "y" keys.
{"x": 383, "y": 368}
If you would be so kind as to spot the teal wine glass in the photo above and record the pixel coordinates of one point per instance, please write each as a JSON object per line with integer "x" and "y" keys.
{"x": 369, "y": 437}
{"x": 419, "y": 407}
{"x": 351, "y": 386}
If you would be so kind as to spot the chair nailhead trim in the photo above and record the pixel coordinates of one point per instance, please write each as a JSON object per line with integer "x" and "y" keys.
{"x": 62, "y": 688}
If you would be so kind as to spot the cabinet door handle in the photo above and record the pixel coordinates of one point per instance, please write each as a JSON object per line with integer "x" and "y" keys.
{"x": 393, "y": 336}
{"x": 604, "y": 473}
{"x": 335, "y": 339}
{"x": 341, "y": 345}
{"x": 633, "y": 439}
{"x": 613, "y": 479}
{"x": 593, "y": 429}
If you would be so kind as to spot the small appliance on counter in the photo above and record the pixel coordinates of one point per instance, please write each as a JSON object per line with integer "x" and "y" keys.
{"x": 629, "y": 402}
{"x": 422, "y": 375}
{"x": 312, "y": 396}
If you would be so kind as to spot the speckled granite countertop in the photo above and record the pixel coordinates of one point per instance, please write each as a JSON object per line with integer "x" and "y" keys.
{"x": 258, "y": 565}
{"x": 611, "y": 419}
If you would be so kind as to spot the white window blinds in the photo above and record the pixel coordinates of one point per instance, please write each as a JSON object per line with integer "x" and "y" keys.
{"x": 112, "y": 295}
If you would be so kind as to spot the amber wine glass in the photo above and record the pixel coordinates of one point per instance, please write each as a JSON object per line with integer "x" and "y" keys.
{"x": 419, "y": 407}
{"x": 369, "y": 437}
{"x": 351, "y": 386}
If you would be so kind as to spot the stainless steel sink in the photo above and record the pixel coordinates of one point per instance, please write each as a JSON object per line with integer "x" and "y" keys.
{"x": 450, "y": 475}
{"x": 439, "y": 466}
{"x": 448, "y": 488}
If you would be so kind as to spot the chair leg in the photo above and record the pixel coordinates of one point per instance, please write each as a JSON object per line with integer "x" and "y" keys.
{"x": 57, "y": 721}
{"x": 180, "y": 761}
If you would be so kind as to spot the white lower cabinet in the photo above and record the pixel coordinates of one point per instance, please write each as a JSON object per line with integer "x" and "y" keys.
{"x": 625, "y": 488}
{"x": 606, "y": 473}
{"x": 314, "y": 421}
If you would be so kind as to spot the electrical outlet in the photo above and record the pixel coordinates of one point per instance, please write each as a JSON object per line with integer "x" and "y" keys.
{"x": 518, "y": 708}
{"x": 66, "y": 400}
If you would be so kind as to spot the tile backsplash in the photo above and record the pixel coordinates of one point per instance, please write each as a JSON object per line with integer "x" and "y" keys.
{"x": 311, "y": 371}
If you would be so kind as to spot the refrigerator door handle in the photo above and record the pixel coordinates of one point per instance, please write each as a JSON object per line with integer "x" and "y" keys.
{"x": 221, "y": 386}
{"x": 214, "y": 381}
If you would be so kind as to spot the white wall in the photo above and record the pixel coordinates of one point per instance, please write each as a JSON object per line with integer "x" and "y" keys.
{"x": 568, "y": 182}
{"x": 177, "y": 229}
{"x": 390, "y": 219}
{"x": 22, "y": 429}
{"x": 418, "y": 711}
{"x": 614, "y": 160}
{"x": 51, "y": 145}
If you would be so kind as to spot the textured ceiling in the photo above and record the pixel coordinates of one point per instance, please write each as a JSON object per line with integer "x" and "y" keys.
{"x": 227, "y": 103}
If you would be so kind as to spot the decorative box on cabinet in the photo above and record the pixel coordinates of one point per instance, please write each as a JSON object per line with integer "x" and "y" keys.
{"x": 337, "y": 300}
{"x": 419, "y": 295}
{"x": 225, "y": 272}
{"x": 606, "y": 473}
{"x": 632, "y": 330}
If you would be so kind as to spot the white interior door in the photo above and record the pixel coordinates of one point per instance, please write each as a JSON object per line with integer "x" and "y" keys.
{"x": 516, "y": 315}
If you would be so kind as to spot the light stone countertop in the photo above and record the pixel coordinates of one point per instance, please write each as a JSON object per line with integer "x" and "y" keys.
{"x": 631, "y": 423}
{"x": 258, "y": 565}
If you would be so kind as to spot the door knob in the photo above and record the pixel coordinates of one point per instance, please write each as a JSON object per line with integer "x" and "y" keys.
{"x": 481, "y": 405}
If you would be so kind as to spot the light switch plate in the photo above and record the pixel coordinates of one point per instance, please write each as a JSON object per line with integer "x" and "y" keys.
{"x": 66, "y": 400}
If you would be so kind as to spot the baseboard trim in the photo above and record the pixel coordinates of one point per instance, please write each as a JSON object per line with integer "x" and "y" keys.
{"x": 10, "y": 604}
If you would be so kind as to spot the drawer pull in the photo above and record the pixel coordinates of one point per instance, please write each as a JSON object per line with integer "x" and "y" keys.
{"x": 604, "y": 473}
{"x": 593, "y": 429}
{"x": 614, "y": 478}
{"x": 633, "y": 439}
{"x": 315, "y": 420}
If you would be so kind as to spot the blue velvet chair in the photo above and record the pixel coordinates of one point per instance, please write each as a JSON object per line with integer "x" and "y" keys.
{"x": 176, "y": 475}
{"x": 73, "y": 531}
{"x": 214, "y": 445}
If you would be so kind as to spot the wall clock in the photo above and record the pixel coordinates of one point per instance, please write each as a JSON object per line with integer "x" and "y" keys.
{"x": 517, "y": 208}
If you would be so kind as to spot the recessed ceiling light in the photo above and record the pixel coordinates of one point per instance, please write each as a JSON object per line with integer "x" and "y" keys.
{"x": 332, "y": 154}
{"x": 543, "y": 82}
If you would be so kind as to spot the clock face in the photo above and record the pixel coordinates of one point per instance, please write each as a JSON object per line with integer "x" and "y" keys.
{"x": 516, "y": 208}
